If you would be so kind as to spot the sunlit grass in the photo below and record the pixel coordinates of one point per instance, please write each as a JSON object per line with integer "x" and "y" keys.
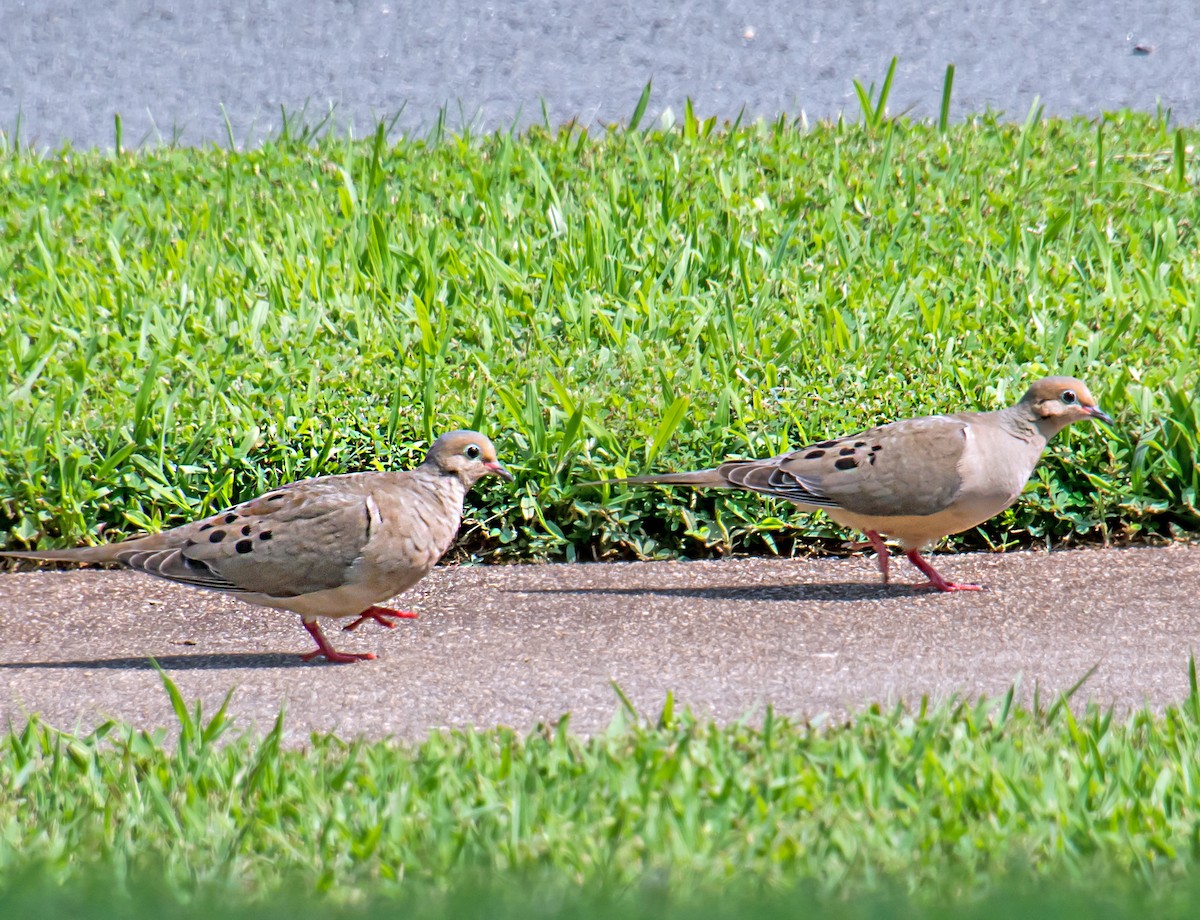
{"x": 183, "y": 328}
{"x": 932, "y": 803}
{"x": 1011, "y": 898}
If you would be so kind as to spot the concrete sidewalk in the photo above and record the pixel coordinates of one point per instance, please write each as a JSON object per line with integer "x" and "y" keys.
{"x": 518, "y": 645}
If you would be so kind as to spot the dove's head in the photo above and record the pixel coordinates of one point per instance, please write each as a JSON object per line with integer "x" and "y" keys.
{"x": 1056, "y": 402}
{"x": 468, "y": 455}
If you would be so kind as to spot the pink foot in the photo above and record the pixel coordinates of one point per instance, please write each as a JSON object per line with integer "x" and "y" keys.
{"x": 384, "y": 616}
{"x": 935, "y": 579}
{"x": 881, "y": 553}
{"x": 331, "y": 654}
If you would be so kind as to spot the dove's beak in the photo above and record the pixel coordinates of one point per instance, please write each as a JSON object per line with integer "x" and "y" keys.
{"x": 1097, "y": 413}
{"x": 499, "y": 469}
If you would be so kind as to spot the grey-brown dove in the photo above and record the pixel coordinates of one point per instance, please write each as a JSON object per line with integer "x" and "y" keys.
{"x": 333, "y": 546}
{"x": 916, "y": 480}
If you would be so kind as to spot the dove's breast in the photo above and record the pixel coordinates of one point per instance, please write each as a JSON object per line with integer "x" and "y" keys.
{"x": 411, "y": 529}
{"x": 995, "y": 466}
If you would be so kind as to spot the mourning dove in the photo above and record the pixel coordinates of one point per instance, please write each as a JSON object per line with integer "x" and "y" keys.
{"x": 916, "y": 480}
{"x": 334, "y": 546}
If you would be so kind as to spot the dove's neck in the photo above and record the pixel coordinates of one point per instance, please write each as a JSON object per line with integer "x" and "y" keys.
{"x": 1022, "y": 422}
{"x": 448, "y": 485}
{"x": 1045, "y": 425}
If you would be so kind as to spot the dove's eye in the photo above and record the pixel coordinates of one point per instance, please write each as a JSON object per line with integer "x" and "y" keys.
{"x": 473, "y": 452}
{"x": 1069, "y": 397}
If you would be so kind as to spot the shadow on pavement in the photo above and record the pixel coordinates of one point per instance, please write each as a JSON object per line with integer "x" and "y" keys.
{"x": 834, "y": 591}
{"x": 214, "y": 662}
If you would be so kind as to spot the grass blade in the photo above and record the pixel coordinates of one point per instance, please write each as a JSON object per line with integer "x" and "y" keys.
{"x": 944, "y": 110}
{"x": 666, "y": 427}
{"x": 640, "y": 109}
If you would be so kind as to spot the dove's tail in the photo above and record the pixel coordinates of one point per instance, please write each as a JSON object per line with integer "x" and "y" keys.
{"x": 85, "y": 555}
{"x": 701, "y": 479}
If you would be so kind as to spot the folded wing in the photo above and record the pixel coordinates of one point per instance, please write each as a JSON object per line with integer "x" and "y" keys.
{"x": 909, "y": 467}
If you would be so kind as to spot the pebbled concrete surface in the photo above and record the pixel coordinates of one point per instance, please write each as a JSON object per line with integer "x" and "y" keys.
{"x": 519, "y": 645}
{"x": 169, "y": 66}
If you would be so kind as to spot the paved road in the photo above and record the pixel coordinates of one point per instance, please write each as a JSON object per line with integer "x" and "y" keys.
{"x": 517, "y": 645}
{"x": 168, "y": 66}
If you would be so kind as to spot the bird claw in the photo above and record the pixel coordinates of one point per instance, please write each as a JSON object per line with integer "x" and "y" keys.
{"x": 384, "y": 616}
{"x": 948, "y": 586}
{"x": 336, "y": 657}
{"x": 330, "y": 654}
{"x": 935, "y": 578}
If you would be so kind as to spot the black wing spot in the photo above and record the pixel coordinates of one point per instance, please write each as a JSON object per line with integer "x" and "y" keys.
{"x": 877, "y": 447}
{"x": 265, "y": 535}
{"x": 860, "y": 443}
{"x": 244, "y": 546}
{"x": 230, "y": 518}
{"x": 871, "y": 457}
{"x": 846, "y": 463}
{"x": 216, "y": 536}
{"x": 826, "y": 444}
{"x": 275, "y": 497}
{"x": 204, "y": 527}
{"x": 846, "y": 452}
{"x": 814, "y": 455}
{"x": 245, "y": 530}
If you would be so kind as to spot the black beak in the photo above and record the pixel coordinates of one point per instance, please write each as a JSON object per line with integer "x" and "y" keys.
{"x": 1097, "y": 413}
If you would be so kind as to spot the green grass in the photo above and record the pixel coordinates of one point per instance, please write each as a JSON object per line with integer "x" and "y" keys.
{"x": 959, "y": 804}
{"x": 1012, "y": 899}
{"x": 184, "y": 328}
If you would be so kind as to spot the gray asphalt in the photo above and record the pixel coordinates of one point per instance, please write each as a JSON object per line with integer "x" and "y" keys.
{"x": 520, "y": 645}
{"x": 177, "y": 70}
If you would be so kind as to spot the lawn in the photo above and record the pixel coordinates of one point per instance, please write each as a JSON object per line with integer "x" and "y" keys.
{"x": 962, "y": 806}
{"x": 187, "y": 327}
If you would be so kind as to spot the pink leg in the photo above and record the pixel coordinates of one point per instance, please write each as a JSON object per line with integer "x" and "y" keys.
{"x": 881, "y": 553}
{"x": 936, "y": 580}
{"x": 384, "y": 616}
{"x": 330, "y": 653}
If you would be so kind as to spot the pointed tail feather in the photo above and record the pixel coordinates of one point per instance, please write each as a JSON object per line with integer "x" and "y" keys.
{"x": 700, "y": 479}
{"x": 85, "y": 555}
